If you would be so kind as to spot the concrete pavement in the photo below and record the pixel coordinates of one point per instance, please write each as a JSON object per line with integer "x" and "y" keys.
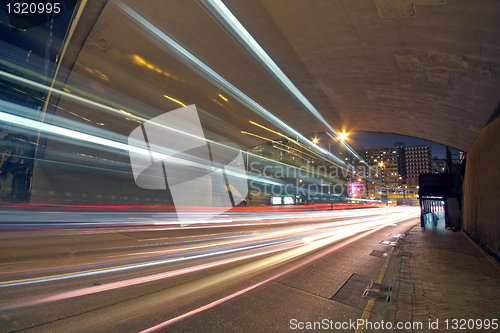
{"x": 448, "y": 281}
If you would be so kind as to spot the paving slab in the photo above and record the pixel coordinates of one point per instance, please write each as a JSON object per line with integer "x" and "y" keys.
{"x": 447, "y": 280}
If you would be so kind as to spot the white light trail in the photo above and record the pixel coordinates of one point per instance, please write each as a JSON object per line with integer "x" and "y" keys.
{"x": 226, "y": 16}
{"x": 282, "y": 244}
{"x": 126, "y": 267}
{"x": 206, "y": 70}
{"x": 68, "y": 133}
{"x": 281, "y": 257}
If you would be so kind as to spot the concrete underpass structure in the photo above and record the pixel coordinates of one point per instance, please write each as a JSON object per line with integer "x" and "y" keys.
{"x": 424, "y": 68}
{"x": 481, "y": 188}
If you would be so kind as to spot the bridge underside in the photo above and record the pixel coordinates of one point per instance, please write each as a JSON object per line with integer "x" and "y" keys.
{"x": 427, "y": 69}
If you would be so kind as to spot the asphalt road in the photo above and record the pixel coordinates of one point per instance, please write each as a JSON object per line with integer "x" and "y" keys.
{"x": 244, "y": 272}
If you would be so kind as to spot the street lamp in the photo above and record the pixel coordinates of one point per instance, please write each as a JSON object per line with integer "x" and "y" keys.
{"x": 315, "y": 141}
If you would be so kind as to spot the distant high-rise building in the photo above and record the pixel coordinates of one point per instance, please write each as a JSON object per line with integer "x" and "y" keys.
{"x": 400, "y": 150}
{"x": 392, "y": 166}
{"x": 418, "y": 160}
{"x": 385, "y": 160}
{"x": 382, "y": 162}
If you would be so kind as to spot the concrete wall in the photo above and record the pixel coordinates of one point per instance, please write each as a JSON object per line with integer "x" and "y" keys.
{"x": 481, "y": 188}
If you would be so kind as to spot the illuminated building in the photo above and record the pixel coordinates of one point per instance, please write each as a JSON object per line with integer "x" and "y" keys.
{"x": 418, "y": 160}
{"x": 383, "y": 164}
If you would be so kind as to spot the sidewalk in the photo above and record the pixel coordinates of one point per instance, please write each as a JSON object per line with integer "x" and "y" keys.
{"x": 445, "y": 276}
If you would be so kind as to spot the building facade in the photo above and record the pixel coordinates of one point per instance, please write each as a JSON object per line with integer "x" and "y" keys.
{"x": 384, "y": 161}
{"x": 393, "y": 167}
{"x": 418, "y": 160}
{"x": 382, "y": 168}
{"x": 400, "y": 150}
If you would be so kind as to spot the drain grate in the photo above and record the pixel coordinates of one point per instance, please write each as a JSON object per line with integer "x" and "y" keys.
{"x": 378, "y": 296}
{"x": 379, "y": 287}
{"x": 352, "y": 290}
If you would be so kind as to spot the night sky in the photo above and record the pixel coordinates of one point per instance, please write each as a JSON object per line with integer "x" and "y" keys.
{"x": 364, "y": 140}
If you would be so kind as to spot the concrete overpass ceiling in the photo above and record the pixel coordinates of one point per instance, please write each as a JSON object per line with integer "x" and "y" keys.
{"x": 422, "y": 68}
{"x": 393, "y": 68}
